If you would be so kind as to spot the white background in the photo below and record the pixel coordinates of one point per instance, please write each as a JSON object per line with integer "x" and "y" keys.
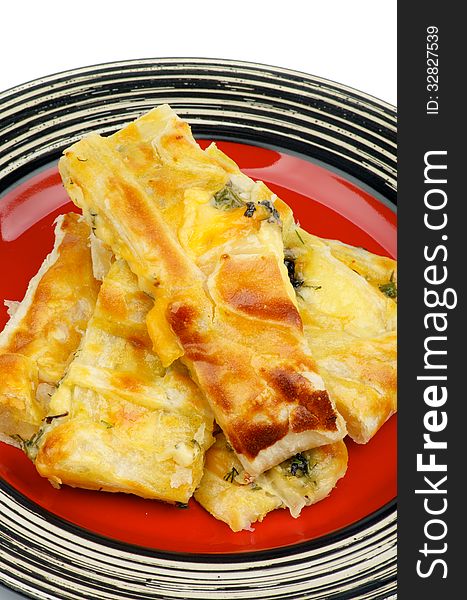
{"x": 352, "y": 42}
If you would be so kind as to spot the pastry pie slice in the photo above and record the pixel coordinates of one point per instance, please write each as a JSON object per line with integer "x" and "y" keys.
{"x": 346, "y": 298}
{"x": 228, "y": 493}
{"x": 45, "y": 329}
{"x": 119, "y": 420}
{"x": 379, "y": 271}
{"x": 206, "y": 242}
{"x": 361, "y": 373}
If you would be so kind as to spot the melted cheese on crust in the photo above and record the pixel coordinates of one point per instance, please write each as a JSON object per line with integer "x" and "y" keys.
{"x": 224, "y": 304}
{"x": 128, "y": 424}
{"x": 377, "y": 270}
{"x": 45, "y": 329}
{"x": 230, "y": 496}
{"x": 20, "y": 413}
{"x": 361, "y": 373}
{"x": 350, "y": 326}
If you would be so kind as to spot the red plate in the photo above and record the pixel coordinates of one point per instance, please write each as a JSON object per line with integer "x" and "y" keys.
{"x": 324, "y": 203}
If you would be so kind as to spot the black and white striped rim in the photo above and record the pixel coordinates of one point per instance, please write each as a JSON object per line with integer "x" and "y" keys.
{"x": 46, "y": 557}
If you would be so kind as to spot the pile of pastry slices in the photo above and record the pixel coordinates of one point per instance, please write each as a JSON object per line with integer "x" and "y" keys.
{"x": 185, "y": 337}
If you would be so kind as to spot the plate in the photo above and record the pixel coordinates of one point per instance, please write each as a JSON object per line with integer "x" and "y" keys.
{"x": 330, "y": 153}
{"x": 325, "y": 203}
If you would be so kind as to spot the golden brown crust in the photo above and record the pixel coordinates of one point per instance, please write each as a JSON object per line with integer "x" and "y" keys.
{"x": 141, "y": 219}
{"x": 350, "y": 325}
{"x": 362, "y": 375}
{"x": 250, "y": 438}
{"x": 62, "y": 304}
{"x": 377, "y": 270}
{"x": 314, "y": 410}
{"x": 293, "y": 406}
{"x": 229, "y": 494}
{"x": 128, "y": 424}
{"x": 20, "y": 413}
{"x": 37, "y": 343}
{"x": 261, "y": 301}
{"x": 155, "y": 188}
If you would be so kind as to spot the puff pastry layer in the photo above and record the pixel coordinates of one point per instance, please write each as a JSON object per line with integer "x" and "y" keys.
{"x": 206, "y": 242}
{"x": 45, "y": 329}
{"x": 350, "y": 325}
{"x": 229, "y": 495}
{"x": 120, "y": 421}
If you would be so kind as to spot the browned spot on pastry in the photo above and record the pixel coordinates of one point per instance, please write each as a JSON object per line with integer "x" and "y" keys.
{"x": 69, "y": 278}
{"x": 23, "y": 337}
{"x": 147, "y": 224}
{"x": 380, "y": 374}
{"x": 182, "y": 315}
{"x": 250, "y": 438}
{"x": 125, "y": 381}
{"x": 127, "y": 415}
{"x": 314, "y": 410}
{"x": 302, "y": 419}
{"x": 143, "y": 154}
{"x": 140, "y": 343}
{"x": 18, "y": 379}
{"x": 224, "y": 375}
{"x": 181, "y": 318}
{"x": 55, "y": 447}
{"x": 179, "y": 132}
{"x": 216, "y": 391}
{"x": 12, "y": 362}
{"x": 111, "y": 302}
{"x": 161, "y": 187}
{"x": 254, "y": 286}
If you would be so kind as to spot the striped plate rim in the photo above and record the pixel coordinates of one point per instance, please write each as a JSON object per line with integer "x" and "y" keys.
{"x": 46, "y": 557}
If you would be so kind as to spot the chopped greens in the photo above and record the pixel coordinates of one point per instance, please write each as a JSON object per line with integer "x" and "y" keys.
{"x": 29, "y": 447}
{"x": 181, "y": 505}
{"x": 107, "y": 424}
{"x": 230, "y": 197}
{"x": 299, "y": 465}
{"x": 50, "y": 418}
{"x": 250, "y": 209}
{"x": 93, "y": 216}
{"x": 227, "y": 198}
{"x": 230, "y": 476}
{"x": 390, "y": 288}
{"x": 275, "y": 216}
{"x": 299, "y": 236}
{"x": 289, "y": 262}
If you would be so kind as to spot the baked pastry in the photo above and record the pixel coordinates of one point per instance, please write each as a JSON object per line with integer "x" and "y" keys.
{"x": 44, "y": 330}
{"x": 379, "y": 271}
{"x": 120, "y": 421}
{"x": 346, "y": 297}
{"x": 231, "y": 496}
{"x": 206, "y": 242}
